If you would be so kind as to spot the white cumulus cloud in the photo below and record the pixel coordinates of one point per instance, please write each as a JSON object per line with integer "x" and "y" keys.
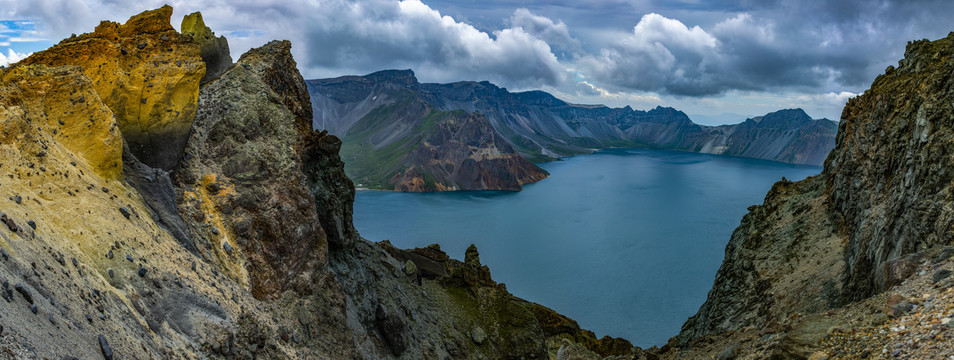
{"x": 335, "y": 37}
{"x": 11, "y": 57}
{"x": 661, "y": 54}
{"x": 594, "y": 50}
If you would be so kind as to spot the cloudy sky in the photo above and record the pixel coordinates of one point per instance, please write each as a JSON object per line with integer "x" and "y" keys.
{"x": 719, "y": 61}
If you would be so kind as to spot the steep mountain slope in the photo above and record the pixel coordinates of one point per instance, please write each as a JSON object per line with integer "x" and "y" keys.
{"x": 878, "y": 212}
{"x": 541, "y": 127}
{"x": 432, "y": 150}
{"x": 244, "y": 250}
{"x": 395, "y": 140}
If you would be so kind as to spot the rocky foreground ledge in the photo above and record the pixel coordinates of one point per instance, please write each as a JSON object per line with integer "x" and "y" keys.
{"x": 160, "y": 201}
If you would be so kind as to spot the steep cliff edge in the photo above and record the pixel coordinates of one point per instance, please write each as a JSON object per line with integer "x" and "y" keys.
{"x": 244, "y": 250}
{"x": 424, "y": 149}
{"x": 84, "y": 266}
{"x": 789, "y": 136}
{"x": 465, "y": 153}
{"x": 878, "y": 211}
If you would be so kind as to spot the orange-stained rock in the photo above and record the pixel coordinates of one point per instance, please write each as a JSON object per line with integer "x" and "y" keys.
{"x": 62, "y": 103}
{"x": 147, "y": 73}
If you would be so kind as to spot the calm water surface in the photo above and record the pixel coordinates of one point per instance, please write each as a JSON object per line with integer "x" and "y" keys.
{"x": 625, "y": 241}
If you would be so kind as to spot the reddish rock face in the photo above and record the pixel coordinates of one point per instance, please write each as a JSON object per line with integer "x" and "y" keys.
{"x": 465, "y": 153}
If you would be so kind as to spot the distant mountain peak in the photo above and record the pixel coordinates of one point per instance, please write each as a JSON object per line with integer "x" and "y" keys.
{"x": 782, "y": 119}
{"x": 538, "y": 97}
{"x": 541, "y": 126}
{"x": 392, "y": 75}
{"x": 404, "y": 79}
{"x": 795, "y": 113}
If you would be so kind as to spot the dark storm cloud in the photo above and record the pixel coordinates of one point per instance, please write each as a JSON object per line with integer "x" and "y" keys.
{"x": 386, "y": 34}
{"x": 335, "y": 37}
{"x": 685, "y": 48}
{"x": 808, "y": 46}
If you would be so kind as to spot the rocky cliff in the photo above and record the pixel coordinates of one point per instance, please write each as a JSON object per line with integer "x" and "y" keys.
{"x": 214, "y": 50}
{"x": 879, "y": 213}
{"x": 233, "y": 239}
{"x": 410, "y": 146}
{"x": 465, "y": 153}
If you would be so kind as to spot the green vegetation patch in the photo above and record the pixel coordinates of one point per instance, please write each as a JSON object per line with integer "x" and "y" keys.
{"x": 374, "y": 167}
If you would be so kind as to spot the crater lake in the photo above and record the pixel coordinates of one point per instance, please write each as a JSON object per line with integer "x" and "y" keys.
{"x": 624, "y": 241}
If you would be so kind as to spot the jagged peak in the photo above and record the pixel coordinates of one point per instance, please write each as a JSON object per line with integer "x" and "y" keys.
{"x": 660, "y": 110}
{"x": 214, "y": 50}
{"x": 274, "y": 47}
{"x": 121, "y": 60}
{"x": 794, "y": 113}
{"x": 277, "y": 67}
{"x": 147, "y": 22}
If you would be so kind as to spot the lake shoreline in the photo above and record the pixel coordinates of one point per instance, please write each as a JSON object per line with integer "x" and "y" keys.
{"x": 658, "y": 220}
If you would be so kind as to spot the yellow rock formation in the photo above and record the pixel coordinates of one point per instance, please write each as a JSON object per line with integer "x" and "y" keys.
{"x": 88, "y": 235}
{"x": 205, "y": 201}
{"x": 148, "y": 75}
{"x": 68, "y": 110}
{"x": 194, "y": 25}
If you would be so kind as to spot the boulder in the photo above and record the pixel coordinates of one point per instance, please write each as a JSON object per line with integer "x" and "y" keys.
{"x": 895, "y": 271}
{"x": 392, "y": 328}
{"x": 410, "y": 269}
{"x": 940, "y": 275}
{"x": 478, "y": 335}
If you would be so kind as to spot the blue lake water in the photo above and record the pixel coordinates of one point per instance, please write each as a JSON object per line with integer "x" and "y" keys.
{"x": 625, "y": 241}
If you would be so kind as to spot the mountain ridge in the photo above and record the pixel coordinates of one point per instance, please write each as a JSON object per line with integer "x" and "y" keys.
{"x": 542, "y": 127}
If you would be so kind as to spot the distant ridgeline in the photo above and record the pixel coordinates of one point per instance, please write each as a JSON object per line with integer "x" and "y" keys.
{"x": 404, "y": 135}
